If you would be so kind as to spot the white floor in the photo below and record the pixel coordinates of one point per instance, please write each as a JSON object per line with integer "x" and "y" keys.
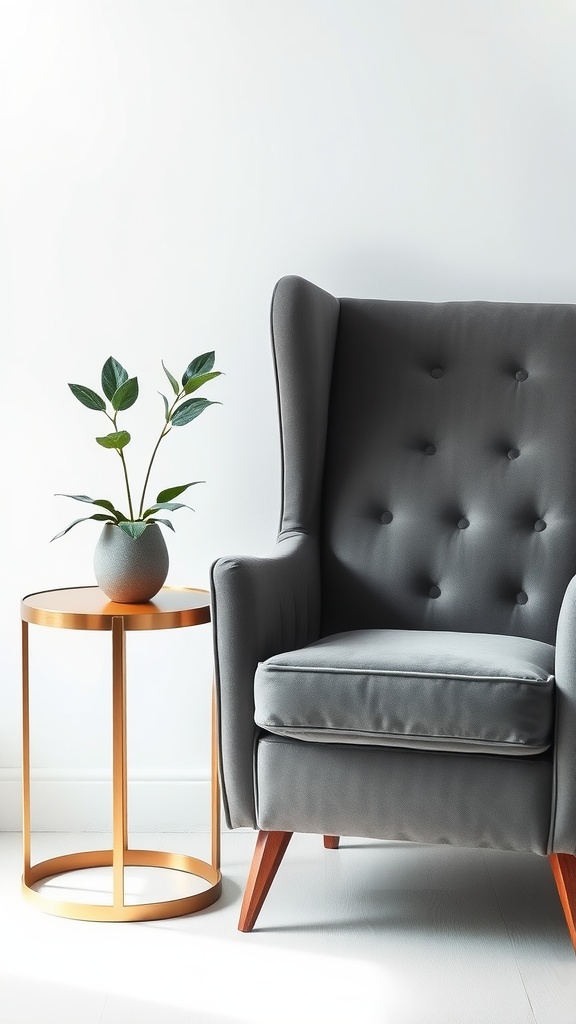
{"x": 371, "y": 933}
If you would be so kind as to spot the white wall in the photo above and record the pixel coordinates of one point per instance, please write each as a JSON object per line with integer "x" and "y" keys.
{"x": 163, "y": 163}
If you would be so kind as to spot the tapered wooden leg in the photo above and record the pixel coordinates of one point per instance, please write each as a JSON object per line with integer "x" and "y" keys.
{"x": 564, "y": 869}
{"x": 270, "y": 849}
{"x": 331, "y": 842}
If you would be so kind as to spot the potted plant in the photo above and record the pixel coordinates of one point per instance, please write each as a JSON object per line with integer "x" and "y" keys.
{"x": 131, "y": 557}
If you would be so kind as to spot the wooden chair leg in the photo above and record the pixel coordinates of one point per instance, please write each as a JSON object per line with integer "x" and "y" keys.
{"x": 564, "y": 870}
{"x": 331, "y": 842}
{"x": 270, "y": 849}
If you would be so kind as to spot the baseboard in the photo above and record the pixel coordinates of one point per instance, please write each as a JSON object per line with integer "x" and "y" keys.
{"x": 66, "y": 801}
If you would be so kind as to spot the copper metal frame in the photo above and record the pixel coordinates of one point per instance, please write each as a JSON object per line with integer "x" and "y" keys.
{"x": 88, "y": 608}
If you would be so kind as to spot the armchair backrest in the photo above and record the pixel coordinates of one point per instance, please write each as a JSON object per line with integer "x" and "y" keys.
{"x": 431, "y": 447}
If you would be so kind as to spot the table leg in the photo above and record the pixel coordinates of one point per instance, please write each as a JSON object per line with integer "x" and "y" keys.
{"x": 215, "y": 785}
{"x": 25, "y": 752}
{"x": 119, "y": 767}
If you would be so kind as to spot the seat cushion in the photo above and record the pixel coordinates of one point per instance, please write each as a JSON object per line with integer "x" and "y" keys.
{"x": 424, "y": 689}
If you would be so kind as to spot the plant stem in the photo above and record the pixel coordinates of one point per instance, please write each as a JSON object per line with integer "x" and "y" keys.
{"x": 147, "y": 477}
{"x": 165, "y": 430}
{"x": 124, "y": 467}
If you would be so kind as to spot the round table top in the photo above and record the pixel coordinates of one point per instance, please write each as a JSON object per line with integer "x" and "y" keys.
{"x": 89, "y": 608}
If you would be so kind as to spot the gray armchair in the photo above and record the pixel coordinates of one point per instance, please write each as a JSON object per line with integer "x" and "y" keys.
{"x": 403, "y": 666}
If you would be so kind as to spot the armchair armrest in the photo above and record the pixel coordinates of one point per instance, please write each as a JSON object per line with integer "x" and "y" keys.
{"x": 563, "y": 825}
{"x": 260, "y": 607}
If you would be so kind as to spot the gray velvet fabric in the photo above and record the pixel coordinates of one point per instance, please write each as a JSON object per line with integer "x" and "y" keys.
{"x": 304, "y": 320}
{"x": 423, "y": 689}
{"x": 259, "y": 606}
{"x": 429, "y": 484}
{"x": 409, "y": 795}
{"x": 563, "y": 833}
{"x": 430, "y": 424}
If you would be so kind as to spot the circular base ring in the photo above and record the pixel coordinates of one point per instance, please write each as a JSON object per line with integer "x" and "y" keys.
{"x": 118, "y": 911}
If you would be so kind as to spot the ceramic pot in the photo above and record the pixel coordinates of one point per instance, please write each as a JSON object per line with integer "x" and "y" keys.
{"x": 130, "y": 571}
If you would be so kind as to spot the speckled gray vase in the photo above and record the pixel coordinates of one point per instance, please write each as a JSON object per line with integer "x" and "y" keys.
{"x": 130, "y": 571}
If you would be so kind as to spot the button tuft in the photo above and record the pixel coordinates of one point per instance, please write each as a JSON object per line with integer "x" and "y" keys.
{"x": 386, "y": 518}
{"x": 434, "y": 591}
{"x": 514, "y": 453}
{"x": 540, "y": 525}
{"x": 437, "y": 372}
{"x": 521, "y": 375}
{"x": 522, "y": 597}
{"x": 463, "y": 523}
{"x": 430, "y": 449}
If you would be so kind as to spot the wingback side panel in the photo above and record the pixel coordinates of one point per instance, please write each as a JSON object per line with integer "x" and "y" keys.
{"x": 263, "y": 606}
{"x": 304, "y": 323}
{"x": 450, "y": 482}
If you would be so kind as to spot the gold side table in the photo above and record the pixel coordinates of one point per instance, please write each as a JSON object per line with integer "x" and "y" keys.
{"x": 88, "y": 608}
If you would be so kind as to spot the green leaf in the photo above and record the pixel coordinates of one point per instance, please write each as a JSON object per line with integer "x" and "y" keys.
{"x": 173, "y": 381}
{"x": 113, "y": 375}
{"x": 103, "y": 503}
{"x": 133, "y": 529}
{"x": 77, "y": 497}
{"x": 88, "y": 397}
{"x": 126, "y": 395}
{"x": 193, "y": 383}
{"x": 164, "y": 522}
{"x": 174, "y": 492}
{"x": 190, "y": 410}
{"x": 202, "y": 364}
{"x": 172, "y": 506}
{"x": 99, "y": 516}
{"x": 166, "y": 407}
{"x": 117, "y": 440}
{"x": 100, "y": 502}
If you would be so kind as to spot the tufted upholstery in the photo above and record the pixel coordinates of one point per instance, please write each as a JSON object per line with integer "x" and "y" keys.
{"x": 416, "y": 623}
{"x": 450, "y": 481}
